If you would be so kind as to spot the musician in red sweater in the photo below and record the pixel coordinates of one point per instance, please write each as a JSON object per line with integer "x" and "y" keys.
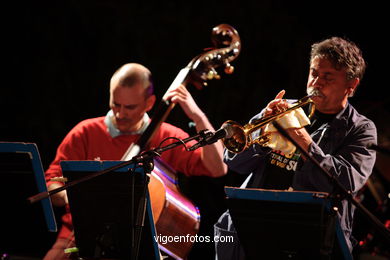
{"x": 108, "y": 138}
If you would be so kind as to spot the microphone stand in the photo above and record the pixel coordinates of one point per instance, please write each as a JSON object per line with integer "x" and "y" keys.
{"x": 145, "y": 156}
{"x": 342, "y": 192}
{"x": 146, "y": 159}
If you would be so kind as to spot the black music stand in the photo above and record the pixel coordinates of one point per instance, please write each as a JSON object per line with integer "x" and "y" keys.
{"x": 285, "y": 225}
{"x": 103, "y": 208}
{"x": 24, "y": 227}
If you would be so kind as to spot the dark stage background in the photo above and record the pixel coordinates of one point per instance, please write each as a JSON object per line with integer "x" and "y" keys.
{"x": 60, "y": 56}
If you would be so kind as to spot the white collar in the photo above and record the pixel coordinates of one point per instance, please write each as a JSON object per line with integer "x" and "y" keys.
{"x": 114, "y": 132}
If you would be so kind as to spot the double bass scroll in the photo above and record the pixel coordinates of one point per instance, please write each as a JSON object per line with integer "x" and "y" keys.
{"x": 227, "y": 47}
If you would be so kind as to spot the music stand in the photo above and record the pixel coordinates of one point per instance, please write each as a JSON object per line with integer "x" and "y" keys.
{"x": 24, "y": 227}
{"x": 283, "y": 224}
{"x": 102, "y": 209}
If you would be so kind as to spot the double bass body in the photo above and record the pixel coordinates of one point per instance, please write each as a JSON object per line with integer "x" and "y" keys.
{"x": 175, "y": 216}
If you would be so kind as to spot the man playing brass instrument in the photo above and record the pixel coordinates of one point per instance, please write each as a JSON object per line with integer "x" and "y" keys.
{"x": 338, "y": 138}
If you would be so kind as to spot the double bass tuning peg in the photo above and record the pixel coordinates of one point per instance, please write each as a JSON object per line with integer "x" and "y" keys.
{"x": 212, "y": 74}
{"x": 229, "y": 69}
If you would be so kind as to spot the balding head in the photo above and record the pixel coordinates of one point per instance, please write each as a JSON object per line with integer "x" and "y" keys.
{"x": 132, "y": 74}
{"x": 131, "y": 96}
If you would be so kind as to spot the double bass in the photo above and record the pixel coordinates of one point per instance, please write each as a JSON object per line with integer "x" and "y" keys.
{"x": 173, "y": 213}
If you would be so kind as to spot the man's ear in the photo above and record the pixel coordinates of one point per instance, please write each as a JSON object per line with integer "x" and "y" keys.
{"x": 353, "y": 83}
{"x": 150, "y": 102}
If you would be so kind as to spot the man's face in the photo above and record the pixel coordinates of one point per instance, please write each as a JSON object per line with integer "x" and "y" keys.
{"x": 129, "y": 105}
{"x": 332, "y": 85}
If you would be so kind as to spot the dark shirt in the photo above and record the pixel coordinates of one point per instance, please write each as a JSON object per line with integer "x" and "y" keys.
{"x": 318, "y": 120}
{"x": 279, "y": 171}
{"x": 280, "y": 168}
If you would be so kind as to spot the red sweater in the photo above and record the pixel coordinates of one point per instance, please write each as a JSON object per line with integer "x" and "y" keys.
{"x": 90, "y": 140}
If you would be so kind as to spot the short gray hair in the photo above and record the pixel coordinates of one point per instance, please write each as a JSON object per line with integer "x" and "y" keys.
{"x": 341, "y": 53}
{"x": 131, "y": 74}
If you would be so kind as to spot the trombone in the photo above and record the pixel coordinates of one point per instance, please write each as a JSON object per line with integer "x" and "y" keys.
{"x": 240, "y": 137}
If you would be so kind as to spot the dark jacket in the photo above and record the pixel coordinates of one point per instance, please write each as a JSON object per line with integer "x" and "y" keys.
{"x": 341, "y": 147}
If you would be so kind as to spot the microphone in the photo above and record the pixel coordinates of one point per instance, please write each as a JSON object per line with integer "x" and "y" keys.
{"x": 225, "y": 131}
